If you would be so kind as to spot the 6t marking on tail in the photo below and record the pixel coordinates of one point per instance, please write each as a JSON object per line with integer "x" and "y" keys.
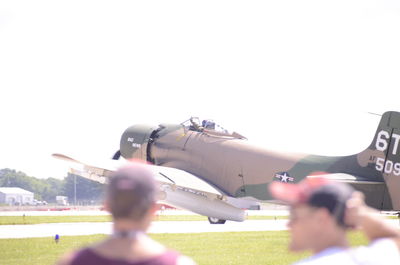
{"x": 383, "y": 141}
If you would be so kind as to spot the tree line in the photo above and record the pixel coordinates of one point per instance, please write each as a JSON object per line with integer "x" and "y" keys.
{"x": 87, "y": 191}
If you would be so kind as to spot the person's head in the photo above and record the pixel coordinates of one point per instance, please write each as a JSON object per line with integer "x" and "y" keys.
{"x": 317, "y": 211}
{"x": 131, "y": 193}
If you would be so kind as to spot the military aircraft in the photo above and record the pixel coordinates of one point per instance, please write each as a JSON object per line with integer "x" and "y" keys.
{"x": 204, "y": 168}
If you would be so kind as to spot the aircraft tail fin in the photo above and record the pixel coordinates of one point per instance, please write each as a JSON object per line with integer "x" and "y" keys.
{"x": 384, "y": 154}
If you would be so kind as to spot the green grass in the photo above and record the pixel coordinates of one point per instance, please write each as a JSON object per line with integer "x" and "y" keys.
{"x": 392, "y": 217}
{"x": 18, "y": 220}
{"x": 39, "y": 250}
{"x": 205, "y": 248}
{"x": 234, "y": 248}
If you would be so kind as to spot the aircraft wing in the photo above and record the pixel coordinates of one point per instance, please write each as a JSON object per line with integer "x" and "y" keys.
{"x": 165, "y": 175}
{"x": 178, "y": 188}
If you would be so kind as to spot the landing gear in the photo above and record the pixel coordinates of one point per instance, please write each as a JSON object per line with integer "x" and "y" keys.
{"x": 215, "y": 221}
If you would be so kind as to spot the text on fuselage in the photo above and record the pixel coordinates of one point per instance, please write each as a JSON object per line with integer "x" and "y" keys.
{"x": 132, "y": 140}
{"x": 383, "y": 140}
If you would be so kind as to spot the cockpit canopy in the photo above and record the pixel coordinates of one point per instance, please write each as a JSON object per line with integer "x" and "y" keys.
{"x": 197, "y": 124}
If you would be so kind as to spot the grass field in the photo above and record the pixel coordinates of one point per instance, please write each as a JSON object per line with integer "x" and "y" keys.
{"x": 19, "y": 220}
{"x": 205, "y": 248}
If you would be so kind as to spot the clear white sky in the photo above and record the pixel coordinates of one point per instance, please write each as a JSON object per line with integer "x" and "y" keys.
{"x": 291, "y": 75}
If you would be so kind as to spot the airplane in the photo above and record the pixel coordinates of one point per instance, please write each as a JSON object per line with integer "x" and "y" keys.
{"x": 203, "y": 168}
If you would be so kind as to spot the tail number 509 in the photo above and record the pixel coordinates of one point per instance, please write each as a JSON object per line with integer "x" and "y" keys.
{"x": 389, "y": 167}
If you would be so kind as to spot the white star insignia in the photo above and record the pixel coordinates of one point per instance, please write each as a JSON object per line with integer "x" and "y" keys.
{"x": 284, "y": 178}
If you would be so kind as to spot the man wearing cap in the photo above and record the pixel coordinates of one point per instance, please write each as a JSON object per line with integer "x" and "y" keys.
{"x": 321, "y": 212}
{"x": 131, "y": 200}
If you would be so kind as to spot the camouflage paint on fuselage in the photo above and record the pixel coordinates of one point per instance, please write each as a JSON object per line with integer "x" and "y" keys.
{"x": 240, "y": 169}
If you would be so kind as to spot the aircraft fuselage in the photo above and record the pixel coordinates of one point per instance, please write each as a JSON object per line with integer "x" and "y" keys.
{"x": 233, "y": 165}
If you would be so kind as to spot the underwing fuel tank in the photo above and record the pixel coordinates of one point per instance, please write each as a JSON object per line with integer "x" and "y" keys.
{"x": 135, "y": 141}
{"x": 197, "y": 203}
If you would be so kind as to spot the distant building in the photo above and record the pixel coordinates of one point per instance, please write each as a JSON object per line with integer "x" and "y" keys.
{"x": 15, "y": 196}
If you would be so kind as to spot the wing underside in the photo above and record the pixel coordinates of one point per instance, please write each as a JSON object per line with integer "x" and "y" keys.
{"x": 177, "y": 188}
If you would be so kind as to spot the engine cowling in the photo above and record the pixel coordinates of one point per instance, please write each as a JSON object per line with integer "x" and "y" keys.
{"x": 136, "y": 140}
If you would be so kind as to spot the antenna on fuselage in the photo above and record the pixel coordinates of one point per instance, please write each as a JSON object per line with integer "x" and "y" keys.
{"x": 373, "y": 113}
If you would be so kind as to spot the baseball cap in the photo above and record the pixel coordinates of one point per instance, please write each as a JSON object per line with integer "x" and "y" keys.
{"x": 316, "y": 192}
{"x": 131, "y": 191}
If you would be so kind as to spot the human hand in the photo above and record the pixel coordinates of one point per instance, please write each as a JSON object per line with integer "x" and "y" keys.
{"x": 355, "y": 209}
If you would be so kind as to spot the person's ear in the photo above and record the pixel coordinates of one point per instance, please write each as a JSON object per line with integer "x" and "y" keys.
{"x": 151, "y": 213}
{"x": 154, "y": 209}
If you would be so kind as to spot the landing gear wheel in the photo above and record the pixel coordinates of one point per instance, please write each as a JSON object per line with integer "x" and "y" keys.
{"x": 215, "y": 221}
